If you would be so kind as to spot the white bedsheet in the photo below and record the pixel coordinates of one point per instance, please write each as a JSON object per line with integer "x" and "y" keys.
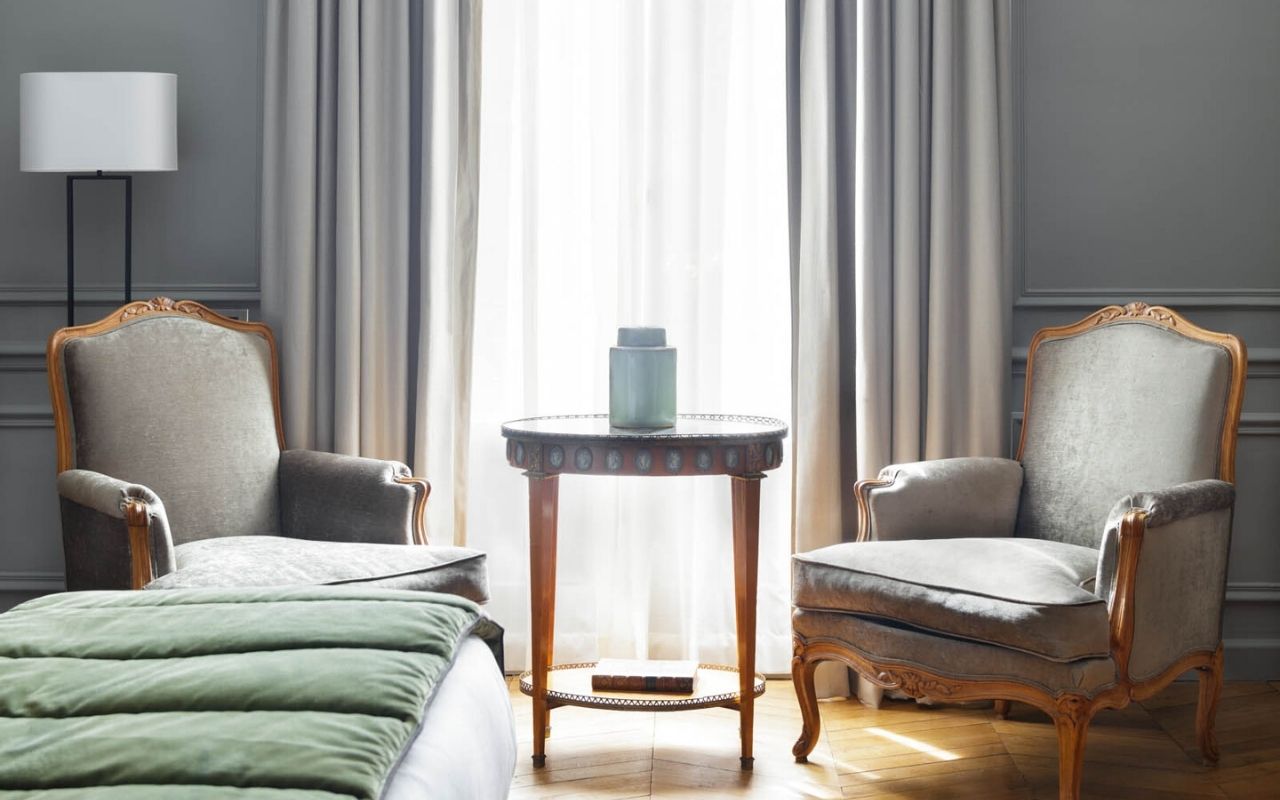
{"x": 467, "y": 746}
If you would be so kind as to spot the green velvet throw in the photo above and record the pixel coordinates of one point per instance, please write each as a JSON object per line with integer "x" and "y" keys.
{"x": 284, "y": 693}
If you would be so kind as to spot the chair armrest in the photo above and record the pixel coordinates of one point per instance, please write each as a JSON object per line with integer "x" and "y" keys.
{"x": 1163, "y": 571}
{"x": 941, "y": 499}
{"x": 115, "y": 534}
{"x": 342, "y": 498}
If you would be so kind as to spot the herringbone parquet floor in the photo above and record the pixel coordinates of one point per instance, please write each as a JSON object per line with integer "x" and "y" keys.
{"x": 905, "y": 751}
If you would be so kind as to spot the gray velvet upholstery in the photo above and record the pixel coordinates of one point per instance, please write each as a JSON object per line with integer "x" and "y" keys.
{"x": 950, "y": 657}
{"x": 1124, "y": 415}
{"x": 1024, "y": 594}
{"x": 180, "y": 412}
{"x": 1182, "y": 572}
{"x": 95, "y": 548}
{"x": 1117, "y": 409}
{"x": 946, "y": 498}
{"x": 341, "y": 498}
{"x": 96, "y": 538}
{"x": 283, "y": 561}
{"x": 185, "y": 408}
{"x": 1182, "y": 502}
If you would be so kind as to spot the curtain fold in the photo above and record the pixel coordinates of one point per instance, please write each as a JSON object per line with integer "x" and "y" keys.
{"x": 370, "y": 183}
{"x": 900, "y": 160}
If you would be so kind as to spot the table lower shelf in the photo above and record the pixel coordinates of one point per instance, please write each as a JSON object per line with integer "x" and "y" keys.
{"x": 570, "y": 685}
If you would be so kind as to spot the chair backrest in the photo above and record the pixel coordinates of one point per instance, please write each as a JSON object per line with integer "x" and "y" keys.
{"x": 1128, "y": 399}
{"x": 178, "y": 398}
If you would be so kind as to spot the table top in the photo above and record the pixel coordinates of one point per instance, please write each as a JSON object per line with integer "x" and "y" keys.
{"x": 707, "y": 428}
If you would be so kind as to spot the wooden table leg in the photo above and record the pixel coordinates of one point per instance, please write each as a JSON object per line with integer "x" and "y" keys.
{"x": 543, "y": 507}
{"x": 746, "y": 548}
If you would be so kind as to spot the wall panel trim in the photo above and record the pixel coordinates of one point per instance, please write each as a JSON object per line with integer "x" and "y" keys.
{"x": 55, "y": 294}
{"x": 31, "y": 581}
{"x": 1253, "y": 592}
{"x": 1177, "y": 298}
{"x": 26, "y": 415}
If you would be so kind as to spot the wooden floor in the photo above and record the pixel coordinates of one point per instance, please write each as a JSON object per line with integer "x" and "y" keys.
{"x": 904, "y": 751}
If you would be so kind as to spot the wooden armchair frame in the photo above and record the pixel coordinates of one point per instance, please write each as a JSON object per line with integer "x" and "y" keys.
{"x": 1071, "y": 712}
{"x": 136, "y": 512}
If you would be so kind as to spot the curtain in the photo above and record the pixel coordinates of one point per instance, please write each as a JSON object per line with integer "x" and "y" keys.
{"x": 633, "y": 171}
{"x": 899, "y": 137}
{"x": 370, "y": 146}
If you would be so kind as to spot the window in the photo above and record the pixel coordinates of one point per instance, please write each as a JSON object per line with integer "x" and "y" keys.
{"x": 633, "y": 171}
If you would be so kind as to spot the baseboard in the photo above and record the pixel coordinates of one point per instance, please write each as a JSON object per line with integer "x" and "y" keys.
{"x": 1252, "y": 659}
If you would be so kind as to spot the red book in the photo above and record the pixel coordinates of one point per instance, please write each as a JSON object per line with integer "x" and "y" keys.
{"x": 626, "y": 675}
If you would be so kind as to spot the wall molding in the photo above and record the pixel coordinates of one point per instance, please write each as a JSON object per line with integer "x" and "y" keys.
{"x": 55, "y": 294}
{"x": 1089, "y": 298}
{"x": 1253, "y": 592}
{"x": 22, "y": 356}
{"x": 32, "y": 581}
{"x": 26, "y": 415}
{"x": 1252, "y": 659}
{"x": 1260, "y": 423}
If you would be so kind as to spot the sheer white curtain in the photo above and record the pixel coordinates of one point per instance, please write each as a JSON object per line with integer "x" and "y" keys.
{"x": 633, "y": 171}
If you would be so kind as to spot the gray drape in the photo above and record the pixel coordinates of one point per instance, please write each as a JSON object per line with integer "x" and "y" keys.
{"x": 371, "y": 131}
{"x": 899, "y": 147}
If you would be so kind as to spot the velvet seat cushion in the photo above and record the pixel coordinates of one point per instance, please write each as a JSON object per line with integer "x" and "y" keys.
{"x": 233, "y": 561}
{"x": 1032, "y": 595}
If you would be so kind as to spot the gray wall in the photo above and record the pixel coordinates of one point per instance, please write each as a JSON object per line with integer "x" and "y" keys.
{"x": 195, "y": 230}
{"x": 1149, "y": 170}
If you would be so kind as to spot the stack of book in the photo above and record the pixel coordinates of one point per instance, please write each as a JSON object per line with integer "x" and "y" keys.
{"x": 626, "y": 675}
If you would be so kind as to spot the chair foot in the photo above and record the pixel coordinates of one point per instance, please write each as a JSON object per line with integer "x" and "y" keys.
{"x": 1207, "y": 708}
{"x": 1002, "y": 708}
{"x": 807, "y": 694}
{"x": 1072, "y": 722}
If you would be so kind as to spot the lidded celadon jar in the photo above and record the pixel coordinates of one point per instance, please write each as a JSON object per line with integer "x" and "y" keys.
{"x": 642, "y": 379}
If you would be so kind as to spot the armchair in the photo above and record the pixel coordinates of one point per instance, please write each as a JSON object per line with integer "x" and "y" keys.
{"x": 173, "y": 472}
{"x": 1087, "y": 573}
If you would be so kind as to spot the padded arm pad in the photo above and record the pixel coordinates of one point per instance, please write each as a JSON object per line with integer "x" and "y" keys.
{"x": 1182, "y": 570}
{"x": 946, "y": 498}
{"x": 95, "y": 537}
{"x": 339, "y": 498}
{"x": 1175, "y": 504}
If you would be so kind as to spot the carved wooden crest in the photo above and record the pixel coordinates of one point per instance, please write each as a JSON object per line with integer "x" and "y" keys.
{"x": 1136, "y": 310}
{"x": 162, "y": 304}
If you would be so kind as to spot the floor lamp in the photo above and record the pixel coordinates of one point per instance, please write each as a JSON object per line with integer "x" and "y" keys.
{"x": 95, "y": 123}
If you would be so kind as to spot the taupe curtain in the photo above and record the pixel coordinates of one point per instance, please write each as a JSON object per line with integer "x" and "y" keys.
{"x": 370, "y": 126}
{"x": 899, "y": 148}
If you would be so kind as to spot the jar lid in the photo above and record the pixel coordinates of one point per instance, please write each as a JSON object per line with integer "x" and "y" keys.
{"x": 642, "y": 337}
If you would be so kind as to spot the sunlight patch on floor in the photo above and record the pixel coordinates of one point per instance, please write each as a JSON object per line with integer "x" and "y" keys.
{"x": 914, "y": 744}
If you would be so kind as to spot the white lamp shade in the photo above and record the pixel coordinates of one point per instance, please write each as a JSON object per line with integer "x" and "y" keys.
{"x": 87, "y": 121}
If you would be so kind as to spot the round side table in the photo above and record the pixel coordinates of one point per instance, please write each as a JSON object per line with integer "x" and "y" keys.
{"x": 743, "y": 448}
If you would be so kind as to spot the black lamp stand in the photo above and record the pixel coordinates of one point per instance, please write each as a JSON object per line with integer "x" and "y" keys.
{"x": 71, "y": 237}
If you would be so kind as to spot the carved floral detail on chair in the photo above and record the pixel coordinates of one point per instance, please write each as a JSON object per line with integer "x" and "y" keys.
{"x": 162, "y": 305}
{"x": 1135, "y": 310}
{"x": 913, "y": 683}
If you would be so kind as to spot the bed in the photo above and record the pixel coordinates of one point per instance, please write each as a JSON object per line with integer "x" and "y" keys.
{"x": 303, "y": 693}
